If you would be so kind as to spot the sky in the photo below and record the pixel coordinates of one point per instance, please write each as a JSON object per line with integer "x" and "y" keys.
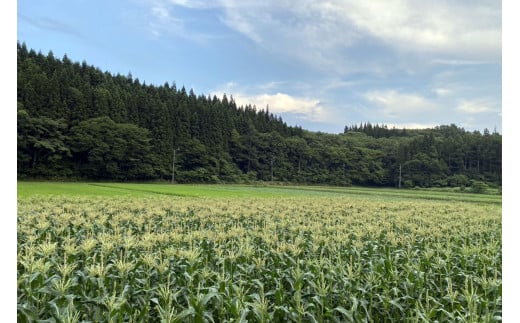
{"x": 320, "y": 65}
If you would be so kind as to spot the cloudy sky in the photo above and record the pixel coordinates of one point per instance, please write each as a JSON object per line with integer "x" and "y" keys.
{"x": 319, "y": 64}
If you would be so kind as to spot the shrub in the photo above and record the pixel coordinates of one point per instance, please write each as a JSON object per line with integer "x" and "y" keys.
{"x": 479, "y": 187}
{"x": 408, "y": 183}
{"x": 458, "y": 180}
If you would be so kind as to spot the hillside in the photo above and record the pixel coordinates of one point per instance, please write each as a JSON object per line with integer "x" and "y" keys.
{"x": 77, "y": 122}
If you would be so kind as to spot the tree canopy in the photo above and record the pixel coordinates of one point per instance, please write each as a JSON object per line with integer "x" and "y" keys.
{"x": 75, "y": 121}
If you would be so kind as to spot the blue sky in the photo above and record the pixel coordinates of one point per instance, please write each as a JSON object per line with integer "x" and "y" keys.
{"x": 319, "y": 64}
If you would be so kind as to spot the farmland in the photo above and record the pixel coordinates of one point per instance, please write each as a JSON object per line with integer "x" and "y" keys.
{"x": 194, "y": 253}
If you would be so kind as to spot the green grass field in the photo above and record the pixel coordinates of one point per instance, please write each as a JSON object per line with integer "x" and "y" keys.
{"x": 107, "y": 252}
{"x": 26, "y": 189}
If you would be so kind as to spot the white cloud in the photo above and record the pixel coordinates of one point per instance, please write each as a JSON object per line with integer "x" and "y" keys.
{"x": 393, "y": 104}
{"x": 349, "y": 42}
{"x": 194, "y": 4}
{"x": 161, "y": 13}
{"x": 442, "y": 92}
{"x": 477, "y": 106}
{"x": 458, "y": 62}
{"x": 304, "y": 108}
{"x": 411, "y": 125}
{"x": 163, "y": 20}
{"x": 282, "y": 103}
{"x": 305, "y": 32}
{"x": 237, "y": 20}
{"x": 273, "y": 85}
{"x": 322, "y": 34}
{"x": 432, "y": 25}
{"x": 321, "y": 31}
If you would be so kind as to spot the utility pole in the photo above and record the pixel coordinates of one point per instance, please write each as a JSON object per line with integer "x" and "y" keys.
{"x": 399, "y": 175}
{"x": 173, "y": 166}
{"x": 272, "y": 158}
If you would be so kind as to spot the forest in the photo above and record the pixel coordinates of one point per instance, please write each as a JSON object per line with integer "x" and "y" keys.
{"x": 76, "y": 122}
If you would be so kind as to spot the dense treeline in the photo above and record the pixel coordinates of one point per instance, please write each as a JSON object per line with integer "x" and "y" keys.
{"x": 75, "y": 121}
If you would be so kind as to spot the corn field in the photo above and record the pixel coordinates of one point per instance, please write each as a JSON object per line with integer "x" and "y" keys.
{"x": 312, "y": 259}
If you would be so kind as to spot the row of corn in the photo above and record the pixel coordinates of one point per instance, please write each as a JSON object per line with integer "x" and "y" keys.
{"x": 168, "y": 259}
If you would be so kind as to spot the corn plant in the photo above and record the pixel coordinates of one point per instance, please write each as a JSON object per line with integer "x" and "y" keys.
{"x": 312, "y": 259}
